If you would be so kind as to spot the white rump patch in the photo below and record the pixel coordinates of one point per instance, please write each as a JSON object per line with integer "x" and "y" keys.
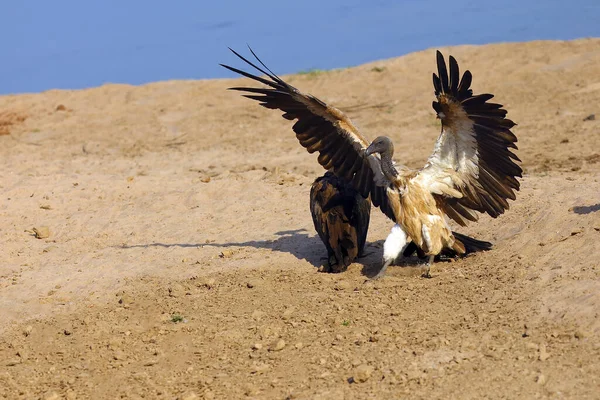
{"x": 394, "y": 244}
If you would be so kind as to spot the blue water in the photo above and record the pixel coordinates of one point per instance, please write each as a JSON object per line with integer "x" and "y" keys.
{"x": 71, "y": 44}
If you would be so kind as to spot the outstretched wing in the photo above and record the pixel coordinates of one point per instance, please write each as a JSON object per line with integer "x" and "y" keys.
{"x": 472, "y": 167}
{"x": 323, "y": 128}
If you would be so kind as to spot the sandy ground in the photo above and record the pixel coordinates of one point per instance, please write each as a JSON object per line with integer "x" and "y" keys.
{"x": 182, "y": 263}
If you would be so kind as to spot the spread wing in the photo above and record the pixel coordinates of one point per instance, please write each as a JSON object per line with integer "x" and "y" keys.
{"x": 323, "y": 128}
{"x": 472, "y": 167}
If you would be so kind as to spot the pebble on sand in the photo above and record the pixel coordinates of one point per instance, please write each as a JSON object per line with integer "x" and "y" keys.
{"x": 189, "y": 396}
{"x": 277, "y": 345}
{"x": 42, "y": 232}
{"x": 362, "y": 373}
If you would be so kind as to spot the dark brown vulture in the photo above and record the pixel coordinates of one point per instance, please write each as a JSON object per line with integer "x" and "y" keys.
{"x": 472, "y": 168}
{"x": 341, "y": 217}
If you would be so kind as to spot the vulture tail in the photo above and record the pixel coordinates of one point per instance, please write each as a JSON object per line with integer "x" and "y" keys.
{"x": 469, "y": 244}
{"x": 472, "y": 245}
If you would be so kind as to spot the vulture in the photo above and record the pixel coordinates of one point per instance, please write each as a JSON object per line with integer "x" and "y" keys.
{"x": 473, "y": 168}
{"x": 341, "y": 217}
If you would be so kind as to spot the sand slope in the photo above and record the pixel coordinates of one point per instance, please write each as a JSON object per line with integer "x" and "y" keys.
{"x": 182, "y": 198}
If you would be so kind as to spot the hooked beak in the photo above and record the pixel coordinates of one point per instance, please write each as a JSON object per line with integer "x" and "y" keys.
{"x": 369, "y": 151}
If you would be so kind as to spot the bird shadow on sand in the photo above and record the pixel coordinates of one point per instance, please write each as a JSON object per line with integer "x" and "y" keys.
{"x": 298, "y": 243}
{"x": 583, "y": 210}
{"x": 295, "y": 242}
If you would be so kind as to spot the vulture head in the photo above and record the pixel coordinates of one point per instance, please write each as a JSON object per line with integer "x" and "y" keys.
{"x": 382, "y": 145}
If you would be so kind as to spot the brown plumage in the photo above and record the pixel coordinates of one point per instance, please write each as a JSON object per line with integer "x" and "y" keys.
{"x": 472, "y": 168}
{"x": 341, "y": 217}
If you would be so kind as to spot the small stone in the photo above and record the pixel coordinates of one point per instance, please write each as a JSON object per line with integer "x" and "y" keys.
{"x": 342, "y": 285}
{"x": 257, "y": 315}
{"x": 226, "y": 253}
{"x": 151, "y": 362}
{"x": 61, "y": 107}
{"x": 189, "y": 396}
{"x": 208, "y": 395}
{"x": 277, "y": 345}
{"x": 42, "y": 232}
{"x": 579, "y": 334}
{"x": 67, "y": 332}
{"x": 206, "y": 179}
{"x": 257, "y": 346}
{"x": 259, "y": 368}
{"x": 362, "y": 373}
{"x": 590, "y": 117}
{"x": 12, "y": 362}
{"x": 287, "y": 314}
{"x": 51, "y": 396}
{"x": 540, "y": 379}
{"x": 27, "y": 331}
{"x": 210, "y": 283}
{"x": 299, "y": 345}
{"x": 325, "y": 375}
{"x": 252, "y": 284}
{"x": 125, "y": 299}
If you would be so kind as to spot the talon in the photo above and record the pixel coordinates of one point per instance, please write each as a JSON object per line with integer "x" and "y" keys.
{"x": 427, "y": 273}
{"x": 381, "y": 272}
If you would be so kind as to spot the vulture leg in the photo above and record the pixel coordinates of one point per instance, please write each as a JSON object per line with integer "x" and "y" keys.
{"x": 381, "y": 273}
{"x": 326, "y": 263}
{"x": 427, "y": 274}
{"x": 392, "y": 248}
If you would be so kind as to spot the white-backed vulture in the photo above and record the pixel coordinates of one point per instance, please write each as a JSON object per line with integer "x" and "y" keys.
{"x": 341, "y": 217}
{"x": 472, "y": 168}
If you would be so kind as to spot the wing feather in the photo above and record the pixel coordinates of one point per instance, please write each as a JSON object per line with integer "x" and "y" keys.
{"x": 472, "y": 155}
{"x": 321, "y": 128}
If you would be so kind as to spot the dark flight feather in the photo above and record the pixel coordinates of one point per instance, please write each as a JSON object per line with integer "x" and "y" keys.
{"x": 341, "y": 218}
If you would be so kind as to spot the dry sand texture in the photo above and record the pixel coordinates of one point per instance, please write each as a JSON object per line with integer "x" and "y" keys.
{"x": 181, "y": 200}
